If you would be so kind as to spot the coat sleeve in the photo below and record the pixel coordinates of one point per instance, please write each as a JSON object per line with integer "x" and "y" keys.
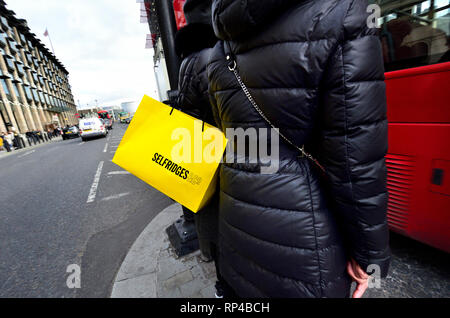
{"x": 193, "y": 94}
{"x": 188, "y": 91}
{"x": 354, "y": 140}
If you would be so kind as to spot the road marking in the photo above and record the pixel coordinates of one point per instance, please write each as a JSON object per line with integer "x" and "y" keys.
{"x": 81, "y": 143}
{"x": 117, "y": 196}
{"x": 114, "y": 173}
{"x": 26, "y": 154}
{"x": 115, "y": 146}
{"x": 106, "y": 147}
{"x": 93, "y": 192}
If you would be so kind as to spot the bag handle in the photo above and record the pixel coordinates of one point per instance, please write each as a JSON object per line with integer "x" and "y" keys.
{"x": 232, "y": 67}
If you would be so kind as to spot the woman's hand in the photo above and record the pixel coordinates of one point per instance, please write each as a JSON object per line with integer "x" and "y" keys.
{"x": 359, "y": 276}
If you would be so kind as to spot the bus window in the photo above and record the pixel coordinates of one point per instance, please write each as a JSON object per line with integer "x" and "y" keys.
{"x": 414, "y": 33}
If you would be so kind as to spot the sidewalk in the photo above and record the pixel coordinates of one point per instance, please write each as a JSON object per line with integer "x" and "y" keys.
{"x": 4, "y": 153}
{"x": 151, "y": 268}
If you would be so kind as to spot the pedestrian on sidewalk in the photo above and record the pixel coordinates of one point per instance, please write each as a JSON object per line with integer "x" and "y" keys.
{"x": 18, "y": 142}
{"x": 36, "y": 137}
{"x": 8, "y": 138}
{"x": 30, "y": 138}
{"x": 40, "y": 136}
{"x": 313, "y": 70}
{"x": 2, "y": 142}
{"x": 193, "y": 45}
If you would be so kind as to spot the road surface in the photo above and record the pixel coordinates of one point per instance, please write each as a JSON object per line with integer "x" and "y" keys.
{"x": 53, "y": 214}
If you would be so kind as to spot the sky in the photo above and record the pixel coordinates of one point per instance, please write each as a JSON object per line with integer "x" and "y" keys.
{"x": 100, "y": 42}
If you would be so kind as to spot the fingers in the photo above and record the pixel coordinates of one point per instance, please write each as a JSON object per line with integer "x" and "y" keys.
{"x": 360, "y": 290}
{"x": 359, "y": 271}
{"x": 359, "y": 276}
{"x": 350, "y": 271}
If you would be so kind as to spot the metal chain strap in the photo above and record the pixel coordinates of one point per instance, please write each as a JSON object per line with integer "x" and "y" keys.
{"x": 233, "y": 68}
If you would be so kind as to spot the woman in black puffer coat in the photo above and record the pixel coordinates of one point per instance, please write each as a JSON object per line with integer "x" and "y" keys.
{"x": 315, "y": 70}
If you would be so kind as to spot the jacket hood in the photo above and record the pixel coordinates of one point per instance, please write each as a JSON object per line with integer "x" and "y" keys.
{"x": 197, "y": 11}
{"x": 198, "y": 34}
{"x": 237, "y": 19}
{"x": 193, "y": 38}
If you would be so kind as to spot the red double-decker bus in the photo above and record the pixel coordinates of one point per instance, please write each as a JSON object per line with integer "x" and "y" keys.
{"x": 415, "y": 40}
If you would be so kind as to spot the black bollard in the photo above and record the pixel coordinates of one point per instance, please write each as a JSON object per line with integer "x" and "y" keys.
{"x": 183, "y": 235}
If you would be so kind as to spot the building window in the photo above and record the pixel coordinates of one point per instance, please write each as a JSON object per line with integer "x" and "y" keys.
{"x": 9, "y": 64}
{"x": 41, "y": 95}
{"x": 12, "y": 46}
{"x": 35, "y": 95}
{"x": 6, "y": 90}
{"x": 16, "y": 90}
{"x": 22, "y": 39}
{"x": 4, "y": 22}
{"x": 4, "y": 114}
{"x": 28, "y": 94}
{"x": 2, "y": 39}
{"x": 29, "y": 58}
{"x": 20, "y": 69}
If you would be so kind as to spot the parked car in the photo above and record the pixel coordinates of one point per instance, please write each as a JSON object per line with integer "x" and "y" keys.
{"x": 70, "y": 132}
{"x": 92, "y": 127}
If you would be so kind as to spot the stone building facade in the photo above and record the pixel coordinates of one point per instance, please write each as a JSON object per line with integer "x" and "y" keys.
{"x": 35, "y": 92}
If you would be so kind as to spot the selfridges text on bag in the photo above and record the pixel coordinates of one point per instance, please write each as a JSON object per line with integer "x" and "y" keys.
{"x": 173, "y": 152}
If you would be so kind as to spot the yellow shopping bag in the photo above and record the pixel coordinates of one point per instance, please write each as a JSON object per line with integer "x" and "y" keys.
{"x": 173, "y": 152}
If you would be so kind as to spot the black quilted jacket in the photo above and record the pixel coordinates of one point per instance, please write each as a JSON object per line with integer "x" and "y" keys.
{"x": 316, "y": 71}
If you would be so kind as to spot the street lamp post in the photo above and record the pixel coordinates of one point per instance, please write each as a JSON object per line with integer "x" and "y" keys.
{"x": 182, "y": 233}
{"x": 168, "y": 28}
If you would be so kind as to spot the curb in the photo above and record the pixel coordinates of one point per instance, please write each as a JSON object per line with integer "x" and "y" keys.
{"x": 4, "y": 153}
{"x": 137, "y": 276}
{"x": 151, "y": 268}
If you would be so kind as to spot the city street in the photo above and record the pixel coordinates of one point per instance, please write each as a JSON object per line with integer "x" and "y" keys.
{"x": 354, "y": 95}
{"x": 46, "y": 223}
